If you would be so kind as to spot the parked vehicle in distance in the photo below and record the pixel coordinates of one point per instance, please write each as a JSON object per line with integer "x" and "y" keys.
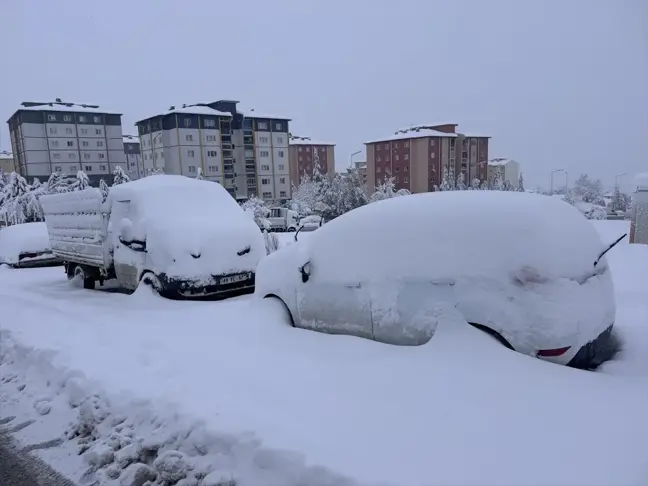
{"x": 186, "y": 238}
{"x": 525, "y": 268}
{"x": 283, "y": 219}
{"x": 26, "y": 245}
{"x": 311, "y": 222}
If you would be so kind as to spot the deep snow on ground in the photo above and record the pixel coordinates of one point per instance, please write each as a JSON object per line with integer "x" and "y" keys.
{"x": 459, "y": 410}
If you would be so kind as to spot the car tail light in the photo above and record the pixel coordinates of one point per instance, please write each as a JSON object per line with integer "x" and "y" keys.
{"x": 550, "y": 353}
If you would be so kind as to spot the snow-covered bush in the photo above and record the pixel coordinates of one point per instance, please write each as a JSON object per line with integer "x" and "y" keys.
{"x": 82, "y": 182}
{"x": 104, "y": 189}
{"x": 259, "y": 210}
{"x": 387, "y": 190}
{"x": 119, "y": 176}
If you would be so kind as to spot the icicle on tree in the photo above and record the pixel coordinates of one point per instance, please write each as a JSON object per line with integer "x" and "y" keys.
{"x": 520, "y": 183}
{"x": 199, "y": 174}
{"x": 461, "y": 185}
{"x": 120, "y": 177}
{"x": 104, "y": 189}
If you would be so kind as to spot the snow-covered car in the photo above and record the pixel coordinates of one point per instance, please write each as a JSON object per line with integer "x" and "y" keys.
{"x": 26, "y": 245}
{"x": 185, "y": 237}
{"x": 523, "y": 267}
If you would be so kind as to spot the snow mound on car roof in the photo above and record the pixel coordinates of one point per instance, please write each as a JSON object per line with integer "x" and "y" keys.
{"x": 23, "y": 238}
{"x": 459, "y": 234}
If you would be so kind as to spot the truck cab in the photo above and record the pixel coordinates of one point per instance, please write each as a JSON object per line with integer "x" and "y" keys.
{"x": 283, "y": 219}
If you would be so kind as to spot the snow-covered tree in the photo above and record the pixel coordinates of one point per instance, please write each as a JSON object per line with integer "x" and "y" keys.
{"x": 19, "y": 202}
{"x": 58, "y": 183}
{"x": 461, "y": 184}
{"x": 82, "y": 182}
{"x": 445, "y": 180}
{"x": 498, "y": 183}
{"x": 590, "y": 191}
{"x": 199, "y": 174}
{"x": 343, "y": 194}
{"x": 104, "y": 189}
{"x": 474, "y": 184}
{"x": 619, "y": 200}
{"x": 157, "y": 171}
{"x": 259, "y": 210}
{"x": 308, "y": 196}
{"x": 484, "y": 186}
{"x": 569, "y": 198}
{"x": 387, "y": 190}
{"x": 520, "y": 183}
{"x": 120, "y": 177}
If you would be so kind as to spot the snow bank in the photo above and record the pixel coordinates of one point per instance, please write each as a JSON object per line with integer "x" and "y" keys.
{"x": 22, "y": 238}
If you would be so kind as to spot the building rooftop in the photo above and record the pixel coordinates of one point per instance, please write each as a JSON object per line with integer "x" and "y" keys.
{"x": 499, "y": 162}
{"x": 131, "y": 139}
{"x": 406, "y": 134}
{"x": 63, "y": 106}
{"x": 307, "y": 141}
{"x": 252, "y": 113}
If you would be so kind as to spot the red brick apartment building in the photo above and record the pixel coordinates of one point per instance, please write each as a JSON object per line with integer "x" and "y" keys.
{"x": 416, "y": 156}
{"x": 301, "y": 157}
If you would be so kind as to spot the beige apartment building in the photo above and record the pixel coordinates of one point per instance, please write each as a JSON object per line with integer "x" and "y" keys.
{"x": 303, "y": 151}
{"x": 7, "y": 163}
{"x": 416, "y": 157}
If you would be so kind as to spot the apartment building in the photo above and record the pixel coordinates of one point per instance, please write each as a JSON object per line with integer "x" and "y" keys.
{"x": 508, "y": 169}
{"x": 59, "y": 136}
{"x": 302, "y": 154}
{"x": 245, "y": 151}
{"x": 7, "y": 164}
{"x": 135, "y": 167}
{"x": 416, "y": 156}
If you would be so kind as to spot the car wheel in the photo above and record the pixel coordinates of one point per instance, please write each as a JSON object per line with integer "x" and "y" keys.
{"x": 81, "y": 274}
{"x": 150, "y": 279}
{"x": 281, "y": 309}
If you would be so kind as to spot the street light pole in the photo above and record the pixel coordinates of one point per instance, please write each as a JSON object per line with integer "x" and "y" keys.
{"x": 351, "y": 158}
{"x": 616, "y": 178}
{"x": 551, "y": 191}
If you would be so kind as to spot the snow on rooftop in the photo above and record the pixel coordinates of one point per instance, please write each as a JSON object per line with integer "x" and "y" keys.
{"x": 198, "y": 110}
{"x": 407, "y": 134}
{"x": 252, "y": 113}
{"x": 641, "y": 181}
{"x": 131, "y": 139}
{"x": 499, "y": 162}
{"x": 67, "y": 106}
{"x": 308, "y": 141}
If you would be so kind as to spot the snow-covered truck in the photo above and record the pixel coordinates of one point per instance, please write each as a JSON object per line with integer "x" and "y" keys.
{"x": 186, "y": 238}
{"x": 283, "y": 219}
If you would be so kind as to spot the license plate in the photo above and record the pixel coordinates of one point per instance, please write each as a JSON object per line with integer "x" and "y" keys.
{"x": 234, "y": 278}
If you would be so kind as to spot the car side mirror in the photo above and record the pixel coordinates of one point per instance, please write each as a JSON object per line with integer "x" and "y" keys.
{"x": 305, "y": 271}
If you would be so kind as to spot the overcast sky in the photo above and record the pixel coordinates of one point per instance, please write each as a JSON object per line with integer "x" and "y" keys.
{"x": 555, "y": 83}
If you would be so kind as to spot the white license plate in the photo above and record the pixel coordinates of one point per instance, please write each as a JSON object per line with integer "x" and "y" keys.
{"x": 233, "y": 278}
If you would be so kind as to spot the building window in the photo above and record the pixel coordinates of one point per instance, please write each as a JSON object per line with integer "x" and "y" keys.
{"x": 212, "y": 168}
{"x": 86, "y": 156}
{"x": 379, "y": 158}
{"x": 191, "y": 153}
{"x": 51, "y": 117}
{"x": 98, "y": 131}
{"x": 282, "y": 194}
{"x": 265, "y": 167}
{"x": 67, "y": 118}
{"x": 57, "y": 168}
{"x": 103, "y": 167}
{"x": 55, "y": 143}
{"x": 406, "y": 180}
{"x": 432, "y": 155}
{"x": 265, "y": 181}
{"x": 300, "y": 149}
{"x": 301, "y": 159}
{"x": 406, "y": 169}
{"x": 187, "y": 124}
{"x": 386, "y": 146}
{"x": 432, "y": 142}
{"x": 82, "y": 119}
{"x": 71, "y": 155}
{"x": 397, "y": 157}
{"x": 262, "y": 126}
{"x": 101, "y": 155}
{"x": 396, "y": 169}
{"x": 73, "y": 168}
{"x": 279, "y": 139}
{"x": 84, "y": 143}
{"x": 70, "y": 143}
{"x": 97, "y": 119}
{"x": 212, "y": 153}
{"x": 56, "y": 155}
{"x": 210, "y": 138}
{"x": 192, "y": 168}
{"x": 280, "y": 153}
{"x": 210, "y": 123}
{"x": 68, "y": 130}
{"x": 264, "y": 139}
{"x": 406, "y": 157}
{"x": 277, "y": 126}
{"x": 189, "y": 138}
{"x": 406, "y": 144}
{"x": 282, "y": 180}
{"x": 264, "y": 153}
{"x": 52, "y": 130}
{"x": 267, "y": 195}
{"x": 88, "y": 168}
{"x": 280, "y": 167}
{"x": 84, "y": 131}
{"x": 100, "y": 143}
{"x": 378, "y": 170}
